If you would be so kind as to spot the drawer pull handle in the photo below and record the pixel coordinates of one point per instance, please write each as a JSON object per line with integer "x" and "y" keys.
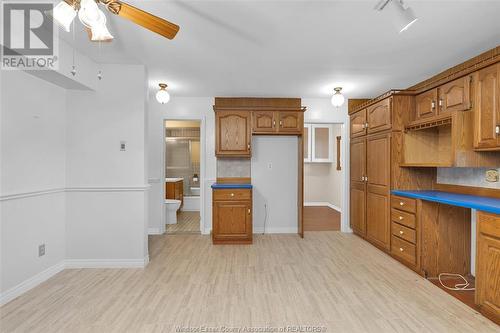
{"x": 400, "y": 218}
{"x": 401, "y": 249}
{"x": 232, "y": 194}
{"x": 401, "y": 203}
{"x": 401, "y": 232}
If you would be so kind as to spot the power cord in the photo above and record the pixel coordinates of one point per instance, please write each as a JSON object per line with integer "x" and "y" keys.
{"x": 458, "y": 286}
{"x": 265, "y": 218}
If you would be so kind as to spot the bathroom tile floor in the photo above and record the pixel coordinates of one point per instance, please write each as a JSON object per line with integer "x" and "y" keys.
{"x": 187, "y": 223}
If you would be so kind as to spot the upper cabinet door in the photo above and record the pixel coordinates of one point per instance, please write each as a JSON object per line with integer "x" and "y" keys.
{"x": 379, "y": 116}
{"x": 232, "y": 133}
{"x": 263, "y": 122}
{"x": 455, "y": 95}
{"x": 425, "y": 104}
{"x": 322, "y": 143}
{"x": 307, "y": 142}
{"x": 290, "y": 122}
{"x": 358, "y": 124}
{"x": 487, "y": 108}
{"x": 358, "y": 160}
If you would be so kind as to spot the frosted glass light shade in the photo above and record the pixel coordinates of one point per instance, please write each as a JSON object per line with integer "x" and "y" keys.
{"x": 338, "y": 99}
{"x": 94, "y": 19}
{"x": 63, "y": 15}
{"x": 100, "y": 33}
{"x": 162, "y": 96}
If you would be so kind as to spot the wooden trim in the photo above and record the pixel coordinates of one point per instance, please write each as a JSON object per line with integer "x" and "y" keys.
{"x": 300, "y": 190}
{"x": 254, "y": 102}
{"x": 353, "y": 103}
{"x": 390, "y": 93}
{"x": 481, "y": 191}
{"x": 338, "y": 153}
{"x": 234, "y": 180}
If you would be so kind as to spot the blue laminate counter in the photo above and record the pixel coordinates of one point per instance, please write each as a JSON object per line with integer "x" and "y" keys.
{"x": 231, "y": 186}
{"x": 485, "y": 204}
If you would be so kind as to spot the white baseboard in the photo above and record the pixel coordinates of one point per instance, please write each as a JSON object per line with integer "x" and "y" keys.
{"x": 30, "y": 283}
{"x": 322, "y": 204}
{"x": 272, "y": 230}
{"x": 106, "y": 263}
{"x": 156, "y": 231}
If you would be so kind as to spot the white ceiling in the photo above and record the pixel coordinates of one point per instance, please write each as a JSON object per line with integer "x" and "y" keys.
{"x": 297, "y": 48}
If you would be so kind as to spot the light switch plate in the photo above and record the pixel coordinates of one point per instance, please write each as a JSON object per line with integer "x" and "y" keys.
{"x": 492, "y": 176}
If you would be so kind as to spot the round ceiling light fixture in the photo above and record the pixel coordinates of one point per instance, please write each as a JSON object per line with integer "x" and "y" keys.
{"x": 338, "y": 99}
{"x": 162, "y": 96}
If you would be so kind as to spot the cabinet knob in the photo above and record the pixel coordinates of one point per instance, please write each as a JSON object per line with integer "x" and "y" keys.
{"x": 248, "y": 211}
{"x": 281, "y": 123}
{"x": 433, "y": 105}
{"x": 400, "y": 218}
{"x": 497, "y": 129}
{"x": 232, "y": 194}
{"x": 401, "y": 203}
{"x": 401, "y": 232}
{"x": 440, "y": 102}
{"x": 274, "y": 123}
{"x": 401, "y": 249}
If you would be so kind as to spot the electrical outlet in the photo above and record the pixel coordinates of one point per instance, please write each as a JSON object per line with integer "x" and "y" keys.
{"x": 123, "y": 146}
{"x": 269, "y": 165}
{"x": 492, "y": 176}
{"x": 41, "y": 250}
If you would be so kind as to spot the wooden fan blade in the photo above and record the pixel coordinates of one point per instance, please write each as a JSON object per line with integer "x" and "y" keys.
{"x": 147, "y": 20}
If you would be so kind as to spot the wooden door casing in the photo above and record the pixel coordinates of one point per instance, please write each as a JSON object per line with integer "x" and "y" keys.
{"x": 426, "y": 104}
{"x": 455, "y": 95}
{"x": 487, "y": 108}
{"x": 358, "y": 124}
{"x": 264, "y": 122}
{"x": 232, "y": 133}
{"x": 380, "y": 116}
{"x": 290, "y": 122}
{"x": 488, "y": 265}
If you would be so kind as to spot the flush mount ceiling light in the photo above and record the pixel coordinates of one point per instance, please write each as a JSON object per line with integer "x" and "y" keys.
{"x": 162, "y": 96}
{"x": 402, "y": 16}
{"x": 338, "y": 99}
{"x": 95, "y": 20}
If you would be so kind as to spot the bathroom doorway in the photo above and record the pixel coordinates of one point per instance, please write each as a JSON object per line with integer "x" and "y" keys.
{"x": 183, "y": 176}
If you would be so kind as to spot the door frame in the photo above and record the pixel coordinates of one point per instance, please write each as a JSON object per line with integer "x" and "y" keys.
{"x": 201, "y": 119}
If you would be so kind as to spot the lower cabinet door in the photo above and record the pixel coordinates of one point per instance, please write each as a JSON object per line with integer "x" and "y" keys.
{"x": 377, "y": 219}
{"x": 488, "y": 265}
{"x": 358, "y": 208}
{"x": 232, "y": 220}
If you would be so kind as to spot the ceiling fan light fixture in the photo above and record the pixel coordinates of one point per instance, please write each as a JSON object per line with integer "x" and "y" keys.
{"x": 162, "y": 96}
{"x": 93, "y": 18}
{"x": 401, "y": 15}
{"x": 64, "y": 14}
{"x": 338, "y": 99}
{"x": 100, "y": 33}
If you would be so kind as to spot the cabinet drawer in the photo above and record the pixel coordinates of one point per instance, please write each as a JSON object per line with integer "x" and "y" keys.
{"x": 403, "y": 218}
{"x": 402, "y": 203}
{"x": 403, "y": 250}
{"x": 232, "y": 194}
{"x": 403, "y": 232}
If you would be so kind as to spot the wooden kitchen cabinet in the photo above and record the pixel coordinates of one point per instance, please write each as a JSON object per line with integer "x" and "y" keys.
{"x": 264, "y": 122}
{"x": 379, "y": 116}
{"x": 175, "y": 190}
{"x": 378, "y": 159}
{"x": 358, "y": 186}
{"x": 487, "y": 108}
{"x": 455, "y": 95}
{"x": 358, "y": 124}
{"x": 290, "y": 122}
{"x": 277, "y": 122}
{"x": 488, "y": 265}
{"x": 426, "y": 104}
{"x": 232, "y": 216}
{"x": 233, "y": 134}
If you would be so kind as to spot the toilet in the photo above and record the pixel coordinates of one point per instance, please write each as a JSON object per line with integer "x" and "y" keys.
{"x": 171, "y": 207}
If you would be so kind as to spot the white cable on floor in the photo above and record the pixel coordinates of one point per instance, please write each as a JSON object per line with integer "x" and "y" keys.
{"x": 459, "y": 286}
{"x": 265, "y": 218}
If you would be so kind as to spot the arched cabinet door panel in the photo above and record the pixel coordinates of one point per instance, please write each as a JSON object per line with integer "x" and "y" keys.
{"x": 233, "y": 134}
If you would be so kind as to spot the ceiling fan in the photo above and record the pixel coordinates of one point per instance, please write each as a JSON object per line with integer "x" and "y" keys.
{"x": 94, "y": 19}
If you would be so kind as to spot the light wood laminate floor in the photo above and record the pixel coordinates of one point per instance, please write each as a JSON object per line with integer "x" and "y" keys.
{"x": 327, "y": 279}
{"x": 187, "y": 223}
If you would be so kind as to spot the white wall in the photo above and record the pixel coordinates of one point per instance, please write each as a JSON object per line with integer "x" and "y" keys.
{"x": 32, "y": 150}
{"x": 200, "y": 108}
{"x": 106, "y": 187}
{"x": 320, "y": 110}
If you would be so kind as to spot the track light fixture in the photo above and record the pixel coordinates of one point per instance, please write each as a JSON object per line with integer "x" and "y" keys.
{"x": 401, "y": 15}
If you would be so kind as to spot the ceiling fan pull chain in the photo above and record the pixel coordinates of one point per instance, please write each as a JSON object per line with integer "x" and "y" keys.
{"x": 99, "y": 73}
{"x": 73, "y": 67}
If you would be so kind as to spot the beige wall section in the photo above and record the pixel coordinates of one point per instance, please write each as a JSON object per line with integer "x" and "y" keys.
{"x": 322, "y": 181}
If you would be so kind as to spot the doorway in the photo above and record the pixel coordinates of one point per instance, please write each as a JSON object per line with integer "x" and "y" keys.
{"x": 323, "y": 176}
{"x": 183, "y": 159}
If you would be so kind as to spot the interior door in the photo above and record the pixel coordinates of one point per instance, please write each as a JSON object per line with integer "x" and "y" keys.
{"x": 378, "y": 159}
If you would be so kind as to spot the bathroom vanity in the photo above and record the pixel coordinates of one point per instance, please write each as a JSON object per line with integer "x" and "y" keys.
{"x": 174, "y": 189}
{"x": 232, "y": 212}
